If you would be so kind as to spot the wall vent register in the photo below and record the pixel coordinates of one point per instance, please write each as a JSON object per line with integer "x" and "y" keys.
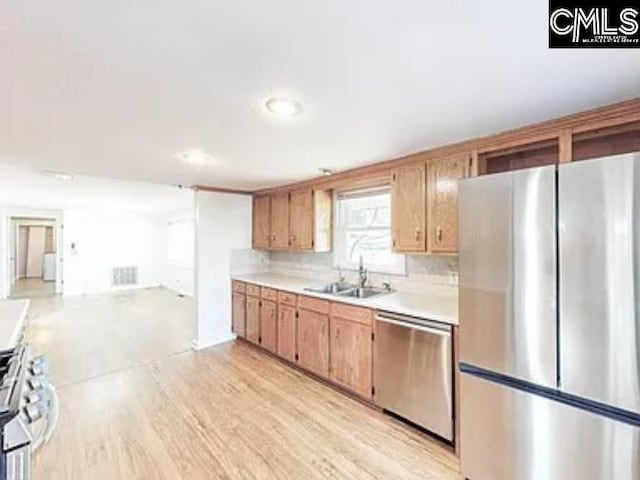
{"x": 125, "y": 276}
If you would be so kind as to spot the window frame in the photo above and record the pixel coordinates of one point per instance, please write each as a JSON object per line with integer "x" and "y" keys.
{"x": 399, "y": 267}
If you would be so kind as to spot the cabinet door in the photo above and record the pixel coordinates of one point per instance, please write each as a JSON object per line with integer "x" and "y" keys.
{"x": 280, "y": 221}
{"x": 238, "y": 314}
{"x": 442, "y": 201}
{"x": 261, "y": 222}
{"x": 408, "y": 208}
{"x": 287, "y": 331}
{"x": 313, "y": 342}
{"x": 253, "y": 319}
{"x": 268, "y": 325}
{"x": 351, "y": 355}
{"x": 301, "y": 220}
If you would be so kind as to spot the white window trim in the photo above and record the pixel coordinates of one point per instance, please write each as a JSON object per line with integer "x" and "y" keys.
{"x": 399, "y": 269}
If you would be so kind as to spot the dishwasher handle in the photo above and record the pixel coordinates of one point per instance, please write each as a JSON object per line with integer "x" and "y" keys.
{"x": 441, "y": 331}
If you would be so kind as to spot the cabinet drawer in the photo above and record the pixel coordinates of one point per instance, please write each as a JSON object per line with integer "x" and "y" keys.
{"x": 253, "y": 290}
{"x": 353, "y": 313}
{"x": 287, "y": 298}
{"x": 238, "y": 287}
{"x": 269, "y": 294}
{"x": 313, "y": 304}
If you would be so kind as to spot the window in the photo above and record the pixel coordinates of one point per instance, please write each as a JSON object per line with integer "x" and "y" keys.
{"x": 363, "y": 228}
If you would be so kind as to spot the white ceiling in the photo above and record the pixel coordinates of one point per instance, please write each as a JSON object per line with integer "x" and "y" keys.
{"x": 24, "y": 188}
{"x": 117, "y": 88}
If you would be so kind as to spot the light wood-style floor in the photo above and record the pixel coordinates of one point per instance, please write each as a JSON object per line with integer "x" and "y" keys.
{"x": 32, "y": 287}
{"x": 86, "y": 337}
{"x": 224, "y": 413}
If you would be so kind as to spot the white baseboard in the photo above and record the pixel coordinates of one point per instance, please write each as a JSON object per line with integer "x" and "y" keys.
{"x": 203, "y": 344}
{"x": 98, "y": 291}
{"x": 178, "y": 291}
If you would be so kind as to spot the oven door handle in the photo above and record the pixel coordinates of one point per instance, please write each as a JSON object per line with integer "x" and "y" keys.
{"x": 54, "y": 413}
{"x": 38, "y": 441}
{"x": 414, "y": 326}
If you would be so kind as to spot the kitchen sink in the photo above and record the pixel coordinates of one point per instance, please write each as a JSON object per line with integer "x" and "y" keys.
{"x": 331, "y": 288}
{"x": 362, "y": 292}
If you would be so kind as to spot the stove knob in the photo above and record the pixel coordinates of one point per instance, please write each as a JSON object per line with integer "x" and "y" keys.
{"x": 39, "y": 366}
{"x": 36, "y": 383}
{"x": 39, "y": 369}
{"x": 35, "y": 411}
{"x": 39, "y": 359}
{"x": 34, "y": 396}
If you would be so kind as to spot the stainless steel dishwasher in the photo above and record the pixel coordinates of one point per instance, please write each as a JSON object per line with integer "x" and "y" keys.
{"x": 414, "y": 372}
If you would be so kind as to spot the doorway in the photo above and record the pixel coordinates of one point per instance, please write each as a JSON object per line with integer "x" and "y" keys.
{"x": 33, "y": 257}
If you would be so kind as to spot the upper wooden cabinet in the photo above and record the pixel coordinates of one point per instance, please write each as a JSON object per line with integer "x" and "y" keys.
{"x": 529, "y": 155}
{"x": 604, "y": 142}
{"x": 280, "y": 221}
{"x": 408, "y": 214}
{"x": 442, "y": 201}
{"x": 299, "y": 220}
{"x": 310, "y": 220}
{"x": 424, "y": 205}
{"x": 261, "y": 222}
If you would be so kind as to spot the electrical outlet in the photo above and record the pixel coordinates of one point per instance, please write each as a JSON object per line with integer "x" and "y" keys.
{"x": 453, "y": 278}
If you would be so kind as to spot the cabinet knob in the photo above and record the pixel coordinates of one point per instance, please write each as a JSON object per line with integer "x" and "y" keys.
{"x": 439, "y": 234}
{"x": 417, "y": 234}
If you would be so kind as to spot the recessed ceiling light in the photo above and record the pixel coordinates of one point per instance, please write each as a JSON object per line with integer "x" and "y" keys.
{"x": 57, "y": 175}
{"x": 195, "y": 157}
{"x": 326, "y": 171}
{"x": 283, "y": 107}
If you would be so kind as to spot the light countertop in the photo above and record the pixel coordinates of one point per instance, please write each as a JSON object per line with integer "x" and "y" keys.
{"x": 439, "y": 304}
{"x": 13, "y": 316}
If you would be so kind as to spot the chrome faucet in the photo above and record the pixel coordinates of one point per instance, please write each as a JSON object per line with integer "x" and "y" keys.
{"x": 362, "y": 272}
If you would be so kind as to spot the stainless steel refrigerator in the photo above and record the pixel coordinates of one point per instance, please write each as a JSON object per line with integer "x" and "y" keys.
{"x": 549, "y": 328}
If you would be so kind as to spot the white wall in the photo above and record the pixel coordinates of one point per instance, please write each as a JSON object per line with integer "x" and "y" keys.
{"x": 112, "y": 222}
{"x": 95, "y": 241}
{"x": 223, "y": 224}
{"x": 180, "y": 257}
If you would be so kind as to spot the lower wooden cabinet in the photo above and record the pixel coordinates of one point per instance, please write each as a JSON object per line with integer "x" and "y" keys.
{"x": 287, "y": 332}
{"x": 351, "y": 346}
{"x": 333, "y": 340}
{"x": 239, "y": 314}
{"x": 268, "y": 327}
{"x": 313, "y": 342}
{"x": 253, "y": 319}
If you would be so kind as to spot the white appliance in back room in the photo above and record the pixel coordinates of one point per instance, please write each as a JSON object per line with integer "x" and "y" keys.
{"x": 549, "y": 327}
{"x": 49, "y": 267}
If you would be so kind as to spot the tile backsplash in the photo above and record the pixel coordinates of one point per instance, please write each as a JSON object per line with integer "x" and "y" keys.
{"x": 421, "y": 269}
{"x": 244, "y": 261}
